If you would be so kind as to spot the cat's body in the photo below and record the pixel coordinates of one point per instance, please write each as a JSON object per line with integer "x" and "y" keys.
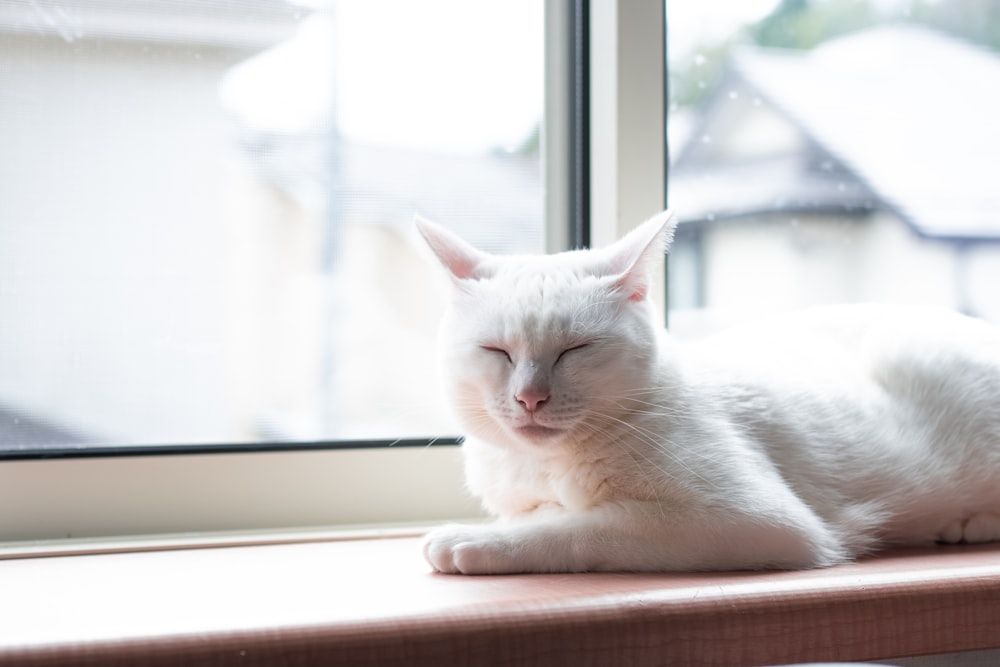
{"x": 803, "y": 441}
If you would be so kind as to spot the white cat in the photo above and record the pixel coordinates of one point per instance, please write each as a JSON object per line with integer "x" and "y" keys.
{"x": 804, "y": 441}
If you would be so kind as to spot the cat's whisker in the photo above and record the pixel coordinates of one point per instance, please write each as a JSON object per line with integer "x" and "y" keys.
{"x": 658, "y": 443}
{"x": 661, "y": 410}
{"x": 651, "y": 482}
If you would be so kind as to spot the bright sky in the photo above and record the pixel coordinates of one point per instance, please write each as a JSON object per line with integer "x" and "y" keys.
{"x": 459, "y": 75}
{"x": 693, "y": 22}
{"x": 451, "y": 75}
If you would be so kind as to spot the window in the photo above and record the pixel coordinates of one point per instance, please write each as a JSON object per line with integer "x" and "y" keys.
{"x": 208, "y": 211}
{"x": 207, "y": 227}
{"x": 833, "y": 151}
{"x": 821, "y": 151}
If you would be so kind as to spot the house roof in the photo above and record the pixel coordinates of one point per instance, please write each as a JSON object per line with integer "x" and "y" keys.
{"x": 912, "y": 113}
{"x": 494, "y": 202}
{"x": 789, "y": 184}
{"x": 236, "y": 24}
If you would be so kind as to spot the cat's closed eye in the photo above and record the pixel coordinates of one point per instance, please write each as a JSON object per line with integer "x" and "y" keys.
{"x": 497, "y": 350}
{"x": 569, "y": 350}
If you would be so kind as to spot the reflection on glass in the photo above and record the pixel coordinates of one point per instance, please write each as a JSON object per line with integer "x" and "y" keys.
{"x": 205, "y": 218}
{"x": 834, "y": 151}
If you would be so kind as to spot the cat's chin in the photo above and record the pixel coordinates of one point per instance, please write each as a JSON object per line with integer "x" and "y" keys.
{"x": 537, "y": 433}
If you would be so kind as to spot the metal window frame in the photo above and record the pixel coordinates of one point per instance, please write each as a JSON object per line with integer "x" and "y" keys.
{"x": 603, "y": 56}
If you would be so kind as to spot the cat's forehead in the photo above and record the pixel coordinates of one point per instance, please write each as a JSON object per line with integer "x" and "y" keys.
{"x": 543, "y": 281}
{"x": 537, "y": 298}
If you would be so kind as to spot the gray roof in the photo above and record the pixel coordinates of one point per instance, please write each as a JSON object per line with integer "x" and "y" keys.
{"x": 493, "y": 201}
{"x": 19, "y": 431}
{"x": 913, "y": 114}
{"x": 785, "y": 184}
{"x": 236, "y": 24}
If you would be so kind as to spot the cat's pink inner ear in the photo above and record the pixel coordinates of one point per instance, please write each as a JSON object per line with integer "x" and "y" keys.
{"x": 460, "y": 258}
{"x": 461, "y": 266}
{"x": 636, "y": 256}
{"x": 634, "y": 284}
{"x": 638, "y": 291}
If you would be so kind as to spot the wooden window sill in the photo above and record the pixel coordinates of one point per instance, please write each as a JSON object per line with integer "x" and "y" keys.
{"x": 375, "y": 602}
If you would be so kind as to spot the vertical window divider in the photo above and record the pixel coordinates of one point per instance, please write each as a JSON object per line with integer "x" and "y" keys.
{"x": 627, "y": 119}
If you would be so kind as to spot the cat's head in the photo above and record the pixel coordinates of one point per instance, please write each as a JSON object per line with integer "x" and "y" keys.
{"x": 545, "y": 349}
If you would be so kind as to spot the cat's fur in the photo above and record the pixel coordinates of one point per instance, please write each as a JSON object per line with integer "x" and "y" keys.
{"x": 804, "y": 441}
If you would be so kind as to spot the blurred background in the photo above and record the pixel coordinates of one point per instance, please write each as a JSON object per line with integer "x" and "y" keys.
{"x": 829, "y": 151}
{"x": 206, "y": 209}
{"x": 206, "y": 206}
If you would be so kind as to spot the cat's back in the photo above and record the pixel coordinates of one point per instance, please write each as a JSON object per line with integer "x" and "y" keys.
{"x": 872, "y": 339}
{"x": 860, "y": 377}
{"x": 894, "y": 405}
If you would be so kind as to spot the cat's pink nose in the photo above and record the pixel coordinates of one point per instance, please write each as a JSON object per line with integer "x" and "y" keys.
{"x": 531, "y": 398}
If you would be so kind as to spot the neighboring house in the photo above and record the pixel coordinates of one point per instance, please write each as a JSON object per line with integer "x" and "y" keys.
{"x": 863, "y": 170}
{"x": 117, "y": 215}
{"x": 357, "y": 311}
{"x": 182, "y": 262}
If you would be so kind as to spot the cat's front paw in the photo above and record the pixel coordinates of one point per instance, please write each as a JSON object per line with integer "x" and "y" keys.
{"x": 464, "y": 549}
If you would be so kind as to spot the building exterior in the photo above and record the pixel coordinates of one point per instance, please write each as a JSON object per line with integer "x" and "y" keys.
{"x": 190, "y": 249}
{"x": 863, "y": 170}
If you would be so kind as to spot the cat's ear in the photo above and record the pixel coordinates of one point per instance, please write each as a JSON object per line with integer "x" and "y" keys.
{"x": 462, "y": 260}
{"x": 634, "y": 258}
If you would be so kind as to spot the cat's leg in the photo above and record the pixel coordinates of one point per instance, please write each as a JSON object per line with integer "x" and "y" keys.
{"x": 630, "y": 537}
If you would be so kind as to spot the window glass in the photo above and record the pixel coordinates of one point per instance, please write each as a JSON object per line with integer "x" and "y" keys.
{"x": 833, "y": 151}
{"x": 206, "y": 210}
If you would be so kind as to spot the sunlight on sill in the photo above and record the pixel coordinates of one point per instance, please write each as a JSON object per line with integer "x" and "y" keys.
{"x": 71, "y": 546}
{"x": 356, "y": 597}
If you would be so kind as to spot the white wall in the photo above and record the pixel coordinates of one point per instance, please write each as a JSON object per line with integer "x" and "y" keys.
{"x": 784, "y": 263}
{"x": 113, "y": 292}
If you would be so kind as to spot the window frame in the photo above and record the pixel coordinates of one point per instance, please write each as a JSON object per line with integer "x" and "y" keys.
{"x": 53, "y": 499}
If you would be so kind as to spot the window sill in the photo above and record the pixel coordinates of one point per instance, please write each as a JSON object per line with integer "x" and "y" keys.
{"x": 374, "y": 601}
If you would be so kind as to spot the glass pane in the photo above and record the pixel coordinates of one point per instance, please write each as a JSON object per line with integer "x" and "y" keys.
{"x": 833, "y": 151}
{"x": 206, "y": 209}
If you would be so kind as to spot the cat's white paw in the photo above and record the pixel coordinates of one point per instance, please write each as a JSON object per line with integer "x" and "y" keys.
{"x": 470, "y": 549}
{"x": 981, "y": 527}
